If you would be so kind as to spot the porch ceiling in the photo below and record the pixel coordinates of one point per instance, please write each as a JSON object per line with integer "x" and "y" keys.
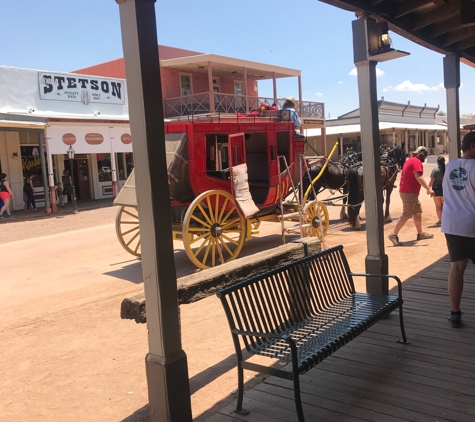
{"x": 225, "y": 66}
{"x": 445, "y": 26}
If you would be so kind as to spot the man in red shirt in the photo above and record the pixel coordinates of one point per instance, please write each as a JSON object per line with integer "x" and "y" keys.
{"x": 409, "y": 188}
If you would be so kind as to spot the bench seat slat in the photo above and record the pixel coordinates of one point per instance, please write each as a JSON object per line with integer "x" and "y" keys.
{"x": 325, "y": 329}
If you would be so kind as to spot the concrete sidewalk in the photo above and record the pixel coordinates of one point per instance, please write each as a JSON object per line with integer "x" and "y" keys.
{"x": 68, "y": 209}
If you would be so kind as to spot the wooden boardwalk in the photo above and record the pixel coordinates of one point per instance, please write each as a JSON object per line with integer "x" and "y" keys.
{"x": 373, "y": 378}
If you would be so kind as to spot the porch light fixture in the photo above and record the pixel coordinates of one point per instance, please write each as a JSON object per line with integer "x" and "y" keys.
{"x": 234, "y": 72}
{"x": 71, "y": 153}
{"x": 384, "y": 38}
{"x": 374, "y": 42}
{"x": 201, "y": 67}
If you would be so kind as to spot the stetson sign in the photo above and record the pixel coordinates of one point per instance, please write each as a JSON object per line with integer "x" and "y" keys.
{"x": 80, "y": 88}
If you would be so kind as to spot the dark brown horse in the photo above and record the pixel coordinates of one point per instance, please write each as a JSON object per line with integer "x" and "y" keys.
{"x": 391, "y": 163}
{"x": 333, "y": 177}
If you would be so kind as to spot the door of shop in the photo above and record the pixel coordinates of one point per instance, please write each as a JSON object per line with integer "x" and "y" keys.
{"x": 81, "y": 178}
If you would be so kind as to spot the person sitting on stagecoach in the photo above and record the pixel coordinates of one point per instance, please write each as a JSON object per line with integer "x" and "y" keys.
{"x": 291, "y": 104}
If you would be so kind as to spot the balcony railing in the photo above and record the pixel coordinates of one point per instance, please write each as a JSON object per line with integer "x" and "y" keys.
{"x": 229, "y": 103}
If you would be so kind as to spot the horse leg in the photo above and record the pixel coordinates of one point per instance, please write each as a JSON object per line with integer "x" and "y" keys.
{"x": 357, "y": 225}
{"x": 343, "y": 213}
{"x": 387, "y": 216}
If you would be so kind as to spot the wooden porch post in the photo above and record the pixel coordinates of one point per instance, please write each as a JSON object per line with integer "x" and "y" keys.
{"x": 452, "y": 85}
{"x": 274, "y": 84}
{"x": 244, "y": 76}
{"x": 324, "y": 140}
{"x": 166, "y": 364}
{"x": 376, "y": 260}
{"x": 212, "y": 106}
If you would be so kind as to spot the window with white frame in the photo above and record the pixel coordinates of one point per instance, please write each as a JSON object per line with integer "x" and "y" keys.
{"x": 215, "y": 84}
{"x": 186, "y": 87}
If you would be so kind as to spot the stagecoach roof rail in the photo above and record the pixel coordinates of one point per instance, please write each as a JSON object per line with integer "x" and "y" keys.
{"x": 218, "y": 117}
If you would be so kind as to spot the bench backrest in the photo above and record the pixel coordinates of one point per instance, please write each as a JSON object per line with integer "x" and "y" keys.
{"x": 278, "y": 299}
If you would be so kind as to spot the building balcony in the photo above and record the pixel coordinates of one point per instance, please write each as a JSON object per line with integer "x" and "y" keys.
{"x": 229, "y": 103}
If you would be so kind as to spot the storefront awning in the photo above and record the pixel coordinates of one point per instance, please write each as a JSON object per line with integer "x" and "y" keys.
{"x": 356, "y": 128}
{"x": 21, "y": 124}
{"x": 88, "y": 138}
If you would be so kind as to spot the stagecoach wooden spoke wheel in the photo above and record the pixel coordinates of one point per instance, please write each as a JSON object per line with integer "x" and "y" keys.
{"x": 128, "y": 230}
{"x": 316, "y": 215}
{"x": 213, "y": 230}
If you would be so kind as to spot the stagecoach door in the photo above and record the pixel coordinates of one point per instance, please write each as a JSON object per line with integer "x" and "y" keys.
{"x": 236, "y": 149}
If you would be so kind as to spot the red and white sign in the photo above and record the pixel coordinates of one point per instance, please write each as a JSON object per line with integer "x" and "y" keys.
{"x": 94, "y": 138}
{"x": 126, "y": 138}
{"x": 69, "y": 139}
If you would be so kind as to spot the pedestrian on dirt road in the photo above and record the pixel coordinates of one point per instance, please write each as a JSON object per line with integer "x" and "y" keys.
{"x": 435, "y": 183}
{"x": 409, "y": 188}
{"x": 29, "y": 191}
{"x": 6, "y": 195}
{"x": 59, "y": 194}
{"x": 67, "y": 186}
{"x": 458, "y": 221}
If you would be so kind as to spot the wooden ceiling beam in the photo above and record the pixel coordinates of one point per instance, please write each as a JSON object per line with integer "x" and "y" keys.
{"x": 459, "y": 35}
{"x": 375, "y": 2}
{"x": 440, "y": 14}
{"x": 411, "y": 6}
{"x": 465, "y": 44}
{"x": 444, "y": 27}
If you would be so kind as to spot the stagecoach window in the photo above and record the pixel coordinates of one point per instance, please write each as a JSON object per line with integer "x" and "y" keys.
{"x": 217, "y": 160}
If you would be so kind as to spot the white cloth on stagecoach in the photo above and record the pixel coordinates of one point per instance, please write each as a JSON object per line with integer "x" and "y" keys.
{"x": 241, "y": 191}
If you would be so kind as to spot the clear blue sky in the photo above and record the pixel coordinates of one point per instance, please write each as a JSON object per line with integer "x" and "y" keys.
{"x": 64, "y": 35}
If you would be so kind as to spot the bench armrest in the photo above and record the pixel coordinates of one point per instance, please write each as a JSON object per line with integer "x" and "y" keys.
{"x": 399, "y": 283}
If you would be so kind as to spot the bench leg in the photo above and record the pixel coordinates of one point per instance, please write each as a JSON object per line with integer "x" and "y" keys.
{"x": 298, "y": 400}
{"x": 239, "y": 408}
{"x": 401, "y": 323}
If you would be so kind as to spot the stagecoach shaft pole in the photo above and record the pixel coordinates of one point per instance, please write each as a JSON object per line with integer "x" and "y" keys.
{"x": 166, "y": 364}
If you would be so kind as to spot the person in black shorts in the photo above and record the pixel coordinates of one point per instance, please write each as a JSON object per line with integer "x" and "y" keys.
{"x": 435, "y": 183}
{"x": 458, "y": 222}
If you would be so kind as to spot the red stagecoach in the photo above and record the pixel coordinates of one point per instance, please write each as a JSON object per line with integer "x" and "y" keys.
{"x": 226, "y": 175}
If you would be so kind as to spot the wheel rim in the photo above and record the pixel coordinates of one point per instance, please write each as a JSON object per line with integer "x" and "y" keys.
{"x": 213, "y": 230}
{"x": 317, "y": 216}
{"x": 128, "y": 229}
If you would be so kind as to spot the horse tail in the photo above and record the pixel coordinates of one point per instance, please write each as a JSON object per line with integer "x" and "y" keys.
{"x": 355, "y": 193}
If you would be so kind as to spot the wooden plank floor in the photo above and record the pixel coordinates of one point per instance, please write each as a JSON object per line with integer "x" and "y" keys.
{"x": 373, "y": 378}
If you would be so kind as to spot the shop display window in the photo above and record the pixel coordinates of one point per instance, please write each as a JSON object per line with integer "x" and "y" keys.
{"x": 31, "y": 164}
{"x": 104, "y": 167}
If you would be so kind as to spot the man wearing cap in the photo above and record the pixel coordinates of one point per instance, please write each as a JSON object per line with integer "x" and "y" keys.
{"x": 409, "y": 188}
{"x": 291, "y": 104}
{"x": 458, "y": 221}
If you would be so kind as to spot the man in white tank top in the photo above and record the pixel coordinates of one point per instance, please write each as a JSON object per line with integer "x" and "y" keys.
{"x": 458, "y": 221}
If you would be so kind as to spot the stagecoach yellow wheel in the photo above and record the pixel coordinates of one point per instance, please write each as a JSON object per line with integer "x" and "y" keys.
{"x": 128, "y": 230}
{"x": 317, "y": 216}
{"x": 213, "y": 230}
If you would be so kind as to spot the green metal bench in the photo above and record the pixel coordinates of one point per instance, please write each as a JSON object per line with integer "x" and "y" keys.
{"x": 302, "y": 312}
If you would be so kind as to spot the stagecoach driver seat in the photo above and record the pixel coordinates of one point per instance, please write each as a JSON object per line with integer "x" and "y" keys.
{"x": 291, "y": 104}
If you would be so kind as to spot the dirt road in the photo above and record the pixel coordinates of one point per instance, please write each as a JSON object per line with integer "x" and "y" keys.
{"x": 66, "y": 353}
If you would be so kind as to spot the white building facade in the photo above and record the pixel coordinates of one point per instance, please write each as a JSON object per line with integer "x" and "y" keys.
{"x": 51, "y": 111}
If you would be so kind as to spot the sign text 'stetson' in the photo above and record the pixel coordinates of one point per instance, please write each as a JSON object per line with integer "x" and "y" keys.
{"x": 80, "y": 88}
